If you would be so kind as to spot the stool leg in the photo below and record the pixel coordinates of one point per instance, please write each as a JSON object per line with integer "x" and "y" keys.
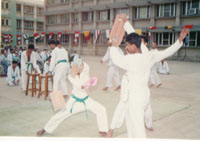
{"x": 52, "y": 81}
{"x": 46, "y": 87}
{"x": 40, "y": 83}
{"x": 27, "y": 84}
{"x": 33, "y": 85}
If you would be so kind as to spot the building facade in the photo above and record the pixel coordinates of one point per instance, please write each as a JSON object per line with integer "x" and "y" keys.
{"x": 162, "y": 20}
{"x": 20, "y": 20}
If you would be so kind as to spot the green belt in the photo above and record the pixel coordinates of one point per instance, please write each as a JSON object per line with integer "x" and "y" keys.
{"x": 79, "y": 100}
{"x": 62, "y": 61}
{"x": 28, "y": 65}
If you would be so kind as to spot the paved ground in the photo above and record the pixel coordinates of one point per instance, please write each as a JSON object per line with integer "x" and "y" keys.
{"x": 176, "y": 107}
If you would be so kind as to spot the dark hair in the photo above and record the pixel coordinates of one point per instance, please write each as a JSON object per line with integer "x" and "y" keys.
{"x": 134, "y": 38}
{"x": 145, "y": 38}
{"x": 71, "y": 58}
{"x": 31, "y": 46}
{"x": 57, "y": 42}
{"x": 52, "y": 42}
{"x": 48, "y": 58}
{"x": 14, "y": 62}
{"x": 2, "y": 51}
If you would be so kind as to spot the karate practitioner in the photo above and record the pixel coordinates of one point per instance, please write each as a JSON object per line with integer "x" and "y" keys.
{"x": 59, "y": 66}
{"x": 154, "y": 79}
{"x": 163, "y": 67}
{"x": 79, "y": 100}
{"x": 13, "y": 75}
{"x": 121, "y": 109}
{"x": 4, "y": 61}
{"x": 113, "y": 71}
{"x": 11, "y": 56}
{"x": 28, "y": 64}
{"x": 138, "y": 68}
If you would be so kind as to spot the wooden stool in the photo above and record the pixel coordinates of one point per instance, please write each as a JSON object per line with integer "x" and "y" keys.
{"x": 46, "y": 89}
{"x": 33, "y": 89}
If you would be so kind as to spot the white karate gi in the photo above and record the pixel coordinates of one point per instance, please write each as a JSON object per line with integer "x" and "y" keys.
{"x": 44, "y": 56}
{"x": 90, "y": 105}
{"x": 138, "y": 70}
{"x": 121, "y": 110}
{"x": 26, "y": 66}
{"x": 10, "y": 57}
{"x": 163, "y": 68}
{"x": 13, "y": 75}
{"x": 154, "y": 78}
{"x": 113, "y": 71}
{"x": 60, "y": 69}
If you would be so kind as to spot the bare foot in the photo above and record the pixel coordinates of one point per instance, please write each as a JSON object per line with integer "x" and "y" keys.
{"x": 41, "y": 132}
{"x": 103, "y": 134}
{"x": 150, "y": 129}
{"x": 118, "y": 88}
{"x": 152, "y": 85}
{"x": 65, "y": 96}
{"x": 109, "y": 134}
{"x": 105, "y": 89}
{"x": 158, "y": 85}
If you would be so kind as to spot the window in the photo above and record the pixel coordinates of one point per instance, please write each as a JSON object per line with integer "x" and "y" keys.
{"x": 2, "y": 22}
{"x": 102, "y": 40}
{"x": 52, "y": 19}
{"x": 86, "y": 42}
{"x": 5, "y": 5}
{"x": 28, "y": 10}
{"x": 191, "y": 7}
{"x": 64, "y": 1}
{"x": 28, "y": 24}
{"x": 19, "y": 23}
{"x": 65, "y": 39}
{"x": 87, "y": 16}
{"x": 165, "y": 38}
{"x": 75, "y": 17}
{"x": 5, "y": 22}
{"x": 104, "y": 15}
{"x": 166, "y": 10}
{"x": 18, "y": 7}
{"x": 191, "y": 39}
{"x": 39, "y": 11}
{"x": 142, "y": 12}
{"x": 122, "y": 10}
{"x": 40, "y": 25}
{"x": 65, "y": 18}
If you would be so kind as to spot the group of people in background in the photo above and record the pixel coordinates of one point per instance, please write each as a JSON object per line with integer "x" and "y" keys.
{"x": 13, "y": 65}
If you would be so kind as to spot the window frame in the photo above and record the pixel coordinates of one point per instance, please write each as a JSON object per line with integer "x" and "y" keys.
{"x": 161, "y": 10}
{"x": 160, "y": 38}
{"x": 138, "y": 11}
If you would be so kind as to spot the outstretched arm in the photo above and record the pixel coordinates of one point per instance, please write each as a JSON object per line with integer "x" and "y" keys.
{"x": 160, "y": 55}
